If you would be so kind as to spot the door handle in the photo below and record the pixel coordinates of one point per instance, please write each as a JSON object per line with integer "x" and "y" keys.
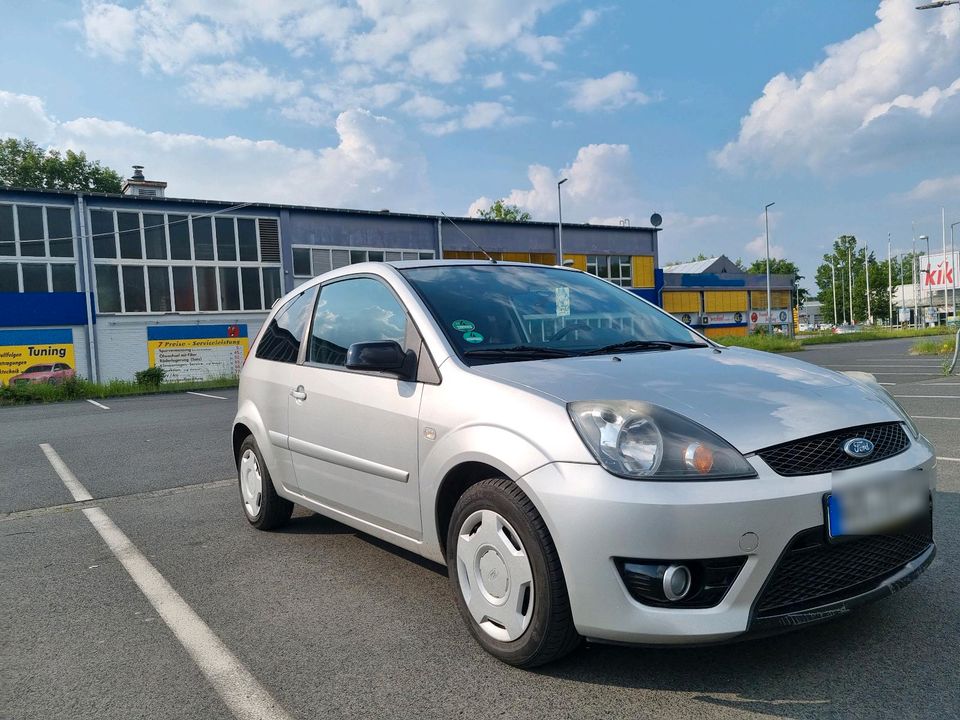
{"x": 299, "y": 393}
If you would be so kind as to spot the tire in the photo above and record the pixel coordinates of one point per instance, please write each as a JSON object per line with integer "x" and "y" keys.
{"x": 261, "y": 505}
{"x": 496, "y": 537}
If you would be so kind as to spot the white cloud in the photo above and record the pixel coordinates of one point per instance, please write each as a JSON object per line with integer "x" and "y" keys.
{"x": 889, "y": 90}
{"x": 941, "y": 188}
{"x": 109, "y": 29}
{"x": 25, "y": 116}
{"x": 477, "y": 116}
{"x": 372, "y": 166}
{"x": 233, "y": 85}
{"x": 308, "y": 111}
{"x": 588, "y": 18}
{"x": 757, "y": 247}
{"x": 611, "y": 92}
{"x": 493, "y": 80}
{"x": 424, "y": 106}
{"x": 601, "y": 186}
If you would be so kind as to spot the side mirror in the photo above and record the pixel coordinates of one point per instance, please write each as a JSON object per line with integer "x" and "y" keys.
{"x": 378, "y": 355}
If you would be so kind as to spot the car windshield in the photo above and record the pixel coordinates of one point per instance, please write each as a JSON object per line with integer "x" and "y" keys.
{"x": 39, "y": 369}
{"x": 501, "y": 313}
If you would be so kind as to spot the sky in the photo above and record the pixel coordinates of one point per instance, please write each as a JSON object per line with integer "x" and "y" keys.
{"x": 846, "y": 115}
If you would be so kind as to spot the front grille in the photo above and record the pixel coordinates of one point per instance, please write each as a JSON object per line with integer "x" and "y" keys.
{"x": 824, "y": 453}
{"x": 813, "y": 572}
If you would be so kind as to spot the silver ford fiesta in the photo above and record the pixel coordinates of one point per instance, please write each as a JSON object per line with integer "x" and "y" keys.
{"x": 585, "y": 465}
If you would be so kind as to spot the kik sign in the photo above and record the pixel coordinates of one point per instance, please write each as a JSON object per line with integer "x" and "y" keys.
{"x": 940, "y": 271}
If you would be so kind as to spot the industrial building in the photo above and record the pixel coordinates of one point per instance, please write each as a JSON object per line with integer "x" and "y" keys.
{"x": 718, "y": 298}
{"x": 112, "y": 284}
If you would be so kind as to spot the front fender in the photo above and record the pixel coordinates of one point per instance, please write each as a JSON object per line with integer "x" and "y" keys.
{"x": 501, "y": 448}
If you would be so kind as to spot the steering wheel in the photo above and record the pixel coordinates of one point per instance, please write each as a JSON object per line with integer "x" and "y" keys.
{"x": 567, "y": 329}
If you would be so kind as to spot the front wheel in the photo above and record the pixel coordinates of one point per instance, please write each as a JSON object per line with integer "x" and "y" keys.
{"x": 262, "y": 506}
{"x": 506, "y": 576}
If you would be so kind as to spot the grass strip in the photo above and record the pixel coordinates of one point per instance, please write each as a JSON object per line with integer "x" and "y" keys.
{"x": 767, "y": 343}
{"x": 80, "y": 389}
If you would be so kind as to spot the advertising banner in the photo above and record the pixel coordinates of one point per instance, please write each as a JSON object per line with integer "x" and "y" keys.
{"x": 759, "y": 317}
{"x": 197, "y": 352}
{"x": 939, "y": 271}
{"x": 36, "y": 356}
{"x": 724, "y": 318}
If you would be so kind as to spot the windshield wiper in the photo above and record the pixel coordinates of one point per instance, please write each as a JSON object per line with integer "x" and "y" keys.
{"x": 531, "y": 351}
{"x": 636, "y": 345}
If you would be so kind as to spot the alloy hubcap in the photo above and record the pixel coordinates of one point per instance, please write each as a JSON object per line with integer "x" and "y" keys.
{"x": 496, "y": 579}
{"x": 251, "y": 483}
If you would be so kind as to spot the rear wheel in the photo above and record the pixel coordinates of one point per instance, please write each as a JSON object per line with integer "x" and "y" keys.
{"x": 262, "y": 506}
{"x": 506, "y": 576}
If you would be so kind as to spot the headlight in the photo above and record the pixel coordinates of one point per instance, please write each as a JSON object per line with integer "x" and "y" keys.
{"x": 641, "y": 440}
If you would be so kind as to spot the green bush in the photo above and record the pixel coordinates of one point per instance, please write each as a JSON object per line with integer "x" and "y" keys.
{"x": 761, "y": 341}
{"x": 151, "y": 376}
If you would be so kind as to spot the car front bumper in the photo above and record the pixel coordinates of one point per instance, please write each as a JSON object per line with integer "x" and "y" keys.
{"x": 595, "y": 517}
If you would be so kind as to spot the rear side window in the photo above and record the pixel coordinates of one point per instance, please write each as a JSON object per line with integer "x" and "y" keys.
{"x": 281, "y": 340}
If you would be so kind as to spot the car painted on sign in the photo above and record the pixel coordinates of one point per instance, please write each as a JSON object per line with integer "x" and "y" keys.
{"x": 584, "y": 464}
{"x": 51, "y": 373}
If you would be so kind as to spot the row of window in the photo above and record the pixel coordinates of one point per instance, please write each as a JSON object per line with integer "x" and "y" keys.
{"x": 183, "y": 288}
{"x": 36, "y": 231}
{"x": 615, "y": 268}
{"x": 310, "y": 261}
{"x": 168, "y": 236}
{"x": 38, "y": 277}
{"x": 355, "y": 310}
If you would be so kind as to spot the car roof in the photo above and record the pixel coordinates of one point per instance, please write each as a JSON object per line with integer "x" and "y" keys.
{"x": 405, "y": 264}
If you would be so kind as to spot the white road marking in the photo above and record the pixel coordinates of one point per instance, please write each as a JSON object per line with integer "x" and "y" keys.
{"x": 200, "y": 394}
{"x": 943, "y": 384}
{"x": 236, "y": 686}
{"x": 932, "y": 417}
{"x": 888, "y": 383}
{"x": 76, "y": 489}
{"x": 99, "y": 405}
{"x": 950, "y": 459}
{"x": 931, "y": 397}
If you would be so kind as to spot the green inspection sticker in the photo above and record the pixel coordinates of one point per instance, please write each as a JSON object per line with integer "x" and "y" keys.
{"x": 473, "y": 337}
{"x": 463, "y": 325}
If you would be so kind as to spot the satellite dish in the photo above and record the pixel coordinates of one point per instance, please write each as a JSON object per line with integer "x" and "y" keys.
{"x": 656, "y": 220}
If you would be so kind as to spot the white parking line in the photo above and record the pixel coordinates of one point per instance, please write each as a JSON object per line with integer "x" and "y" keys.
{"x": 948, "y": 459}
{"x": 76, "y": 489}
{"x": 932, "y": 417}
{"x": 931, "y": 397}
{"x": 200, "y": 394}
{"x": 99, "y": 405}
{"x": 236, "y": 686}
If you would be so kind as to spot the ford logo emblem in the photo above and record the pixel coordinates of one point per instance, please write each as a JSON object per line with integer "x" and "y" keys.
{"x": 858, "y": 448}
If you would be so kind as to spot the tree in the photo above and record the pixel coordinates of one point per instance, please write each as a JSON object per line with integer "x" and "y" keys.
{"x": 25, "y": 164}
{"x": 698, "y": 258}
{"x": 849, "y": 260}
{"x": 781, "y": 267}
{"x": 506, "y": 213}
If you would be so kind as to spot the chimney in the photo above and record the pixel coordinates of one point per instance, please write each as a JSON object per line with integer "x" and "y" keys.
{"x": 137, "y": 185}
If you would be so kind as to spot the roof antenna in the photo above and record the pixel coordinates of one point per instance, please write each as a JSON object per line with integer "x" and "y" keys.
{"x": 476, "y": 244}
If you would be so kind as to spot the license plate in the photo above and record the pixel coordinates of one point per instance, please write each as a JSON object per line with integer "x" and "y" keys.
{"x": 870, "y": 508}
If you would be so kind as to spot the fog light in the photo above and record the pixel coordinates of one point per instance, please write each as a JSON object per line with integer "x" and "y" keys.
{"x": 676, "y": 582}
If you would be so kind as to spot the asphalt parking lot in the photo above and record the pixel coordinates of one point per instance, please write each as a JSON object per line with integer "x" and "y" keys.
{"x": 331, "y": 623}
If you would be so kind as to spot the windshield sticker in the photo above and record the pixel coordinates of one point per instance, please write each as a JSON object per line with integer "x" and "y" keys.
{"x": 473, "y": 337}
{"x": 463, "y": 325}
{"x": 563, "y": 301}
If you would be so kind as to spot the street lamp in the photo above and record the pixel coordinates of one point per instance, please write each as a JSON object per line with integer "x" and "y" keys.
{"x": 560, "y": 224}
{"x": 927, "y": 274}
{"x": 766, "y": 225}
{"x": 833, "y": 273}
{"x": 953, "y": 265}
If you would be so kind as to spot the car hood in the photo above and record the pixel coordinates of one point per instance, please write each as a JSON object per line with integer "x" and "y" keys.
{"x": 751, "y": 399}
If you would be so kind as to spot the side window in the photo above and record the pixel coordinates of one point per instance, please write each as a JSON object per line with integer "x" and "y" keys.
{"x": 281, "y": 340}
{"x": 357, "y": 310}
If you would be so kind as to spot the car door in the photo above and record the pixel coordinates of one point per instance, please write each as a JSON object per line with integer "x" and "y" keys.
{"x": 353, "y": 435}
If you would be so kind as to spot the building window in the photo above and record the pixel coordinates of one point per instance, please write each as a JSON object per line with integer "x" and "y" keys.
{"x": 615, "y": 268}
{"x": 34, "y": 233}
{"x": 147, "y": 263}
{"x": 311, "y": 260}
